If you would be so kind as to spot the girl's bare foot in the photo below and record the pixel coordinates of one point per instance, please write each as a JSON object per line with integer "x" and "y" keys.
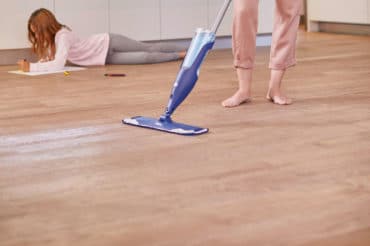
{"x": 237, "y": 99}
{"x": 182, "y": 54}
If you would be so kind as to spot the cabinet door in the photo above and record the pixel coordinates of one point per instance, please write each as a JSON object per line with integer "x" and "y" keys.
{"x": 266, "y": 16}
{"x": 82, "y": 16}
{"x": 14, "y": 34}
{"x": 214, "y": 7}
{"x": 180, "y": 18}
{"x": 342, "y": 11}
{"x": 139, "y": 19}
{"x": 368, "y": 11}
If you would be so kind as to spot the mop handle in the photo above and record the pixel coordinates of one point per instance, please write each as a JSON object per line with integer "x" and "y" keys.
{"x": 220, "y": 16}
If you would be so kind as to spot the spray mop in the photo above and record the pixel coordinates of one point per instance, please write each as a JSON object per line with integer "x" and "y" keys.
{"x": 201, "y": 44}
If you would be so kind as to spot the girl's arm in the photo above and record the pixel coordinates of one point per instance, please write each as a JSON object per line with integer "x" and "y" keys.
{"x": 60, "y": 58}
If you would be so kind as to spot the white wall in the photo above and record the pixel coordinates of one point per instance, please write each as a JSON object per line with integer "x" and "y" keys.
{"x": 266, "y": 16}
{"x": 368, "y": 11}
{"x": 138, "y": 19}
{"x": 213, "y": 9}
{"x": 13, "y": 21}
{"x": 85, "y": 17}
{"x": 179, "y": 18}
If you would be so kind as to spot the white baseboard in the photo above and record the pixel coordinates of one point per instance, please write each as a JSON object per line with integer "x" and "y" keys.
{"x": 10, "y": 57}
{"x": 340, "y": 28}
{"x": 224, "y": 42}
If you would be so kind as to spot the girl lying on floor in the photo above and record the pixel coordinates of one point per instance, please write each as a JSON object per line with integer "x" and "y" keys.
{"x": 55, "y": 44}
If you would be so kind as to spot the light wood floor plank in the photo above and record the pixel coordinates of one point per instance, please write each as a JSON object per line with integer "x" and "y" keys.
{"x": 72, "y": 174}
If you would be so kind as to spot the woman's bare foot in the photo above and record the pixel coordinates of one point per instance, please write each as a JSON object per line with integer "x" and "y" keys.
{"x": 274, "y": 93}
{"x": 182, "y": 54}
{"x": 237, "y": 99}
{"x": 279, "y": 99}
{"x": 243, "y": 94}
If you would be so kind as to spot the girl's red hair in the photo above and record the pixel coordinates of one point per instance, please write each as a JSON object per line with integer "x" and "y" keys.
{"x": 42, "y": 28}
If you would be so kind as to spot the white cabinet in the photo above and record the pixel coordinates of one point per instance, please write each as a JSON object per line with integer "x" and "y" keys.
{"x": 214, "y": 7}
{"x": 368, "y": 11}
{"x": 82, "y": 16}
{"x": 340, "y": 11}
{"x": 13, "y": 21}
{"x": 180, "y": 18}
{"x": 266, "y": 16}
{"x": 139, "y": 19}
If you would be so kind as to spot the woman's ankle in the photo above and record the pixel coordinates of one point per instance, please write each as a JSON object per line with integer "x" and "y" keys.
{"x": 243, "y": 93}
{"x": 273, "y": 92}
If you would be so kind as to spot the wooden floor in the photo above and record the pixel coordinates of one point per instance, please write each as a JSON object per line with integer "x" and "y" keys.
{"x": 72, "y": 174}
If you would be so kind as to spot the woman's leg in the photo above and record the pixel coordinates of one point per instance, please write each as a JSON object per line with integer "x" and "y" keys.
{"x": 245, "y": 24}
{"x": 287, "y": 15}
{"x": 130, "y": 58}
{"x": 243, "y": 94}
{"x": 274, "y": 93}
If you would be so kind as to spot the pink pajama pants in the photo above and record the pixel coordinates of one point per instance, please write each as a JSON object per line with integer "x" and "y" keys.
{"x": 284, "y": 36}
